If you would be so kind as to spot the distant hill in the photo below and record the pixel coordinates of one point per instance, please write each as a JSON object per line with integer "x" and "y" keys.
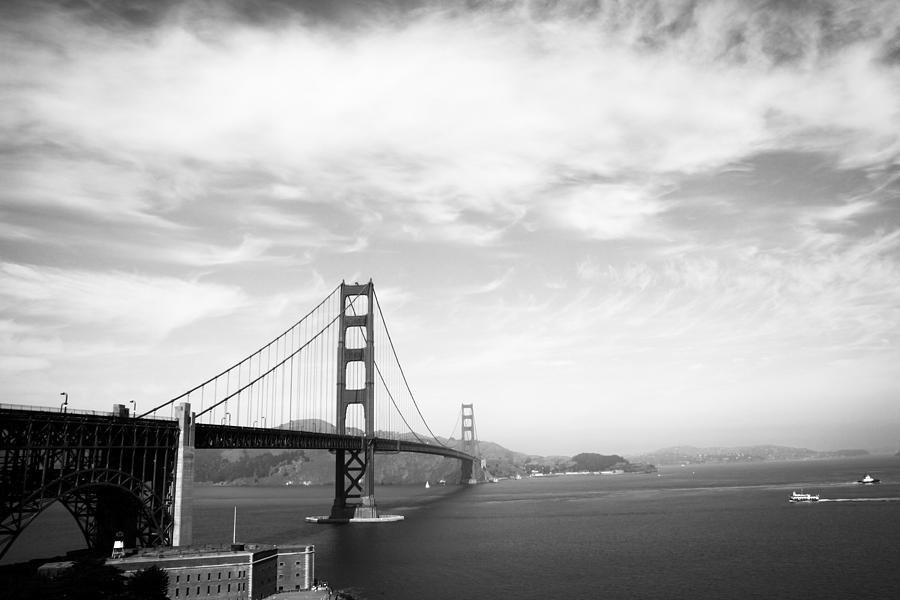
{"x": 296, "y": 467}
{"x": 693, "y": 455}
{"x": 316, "y": 467}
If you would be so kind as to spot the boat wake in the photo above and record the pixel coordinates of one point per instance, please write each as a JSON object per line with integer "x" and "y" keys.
{"x": 860, "y": 500}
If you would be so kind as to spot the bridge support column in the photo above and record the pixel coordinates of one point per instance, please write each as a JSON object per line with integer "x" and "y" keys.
{"x": 470, "y": 446}
{"x": 183, "y": 526}
{"x": 354, "y": 470}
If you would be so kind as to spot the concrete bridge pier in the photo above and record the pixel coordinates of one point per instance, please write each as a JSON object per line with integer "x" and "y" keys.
{"x": 467, "y": 473}
{"x": 183, "y": 526}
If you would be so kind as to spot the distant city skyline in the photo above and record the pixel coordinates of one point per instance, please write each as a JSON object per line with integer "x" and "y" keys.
{"x": 612, "y": 228}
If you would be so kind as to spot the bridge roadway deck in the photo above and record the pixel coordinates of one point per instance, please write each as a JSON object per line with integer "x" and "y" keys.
{"x": 222, "y": 436}
{"x": 229, "y": 436}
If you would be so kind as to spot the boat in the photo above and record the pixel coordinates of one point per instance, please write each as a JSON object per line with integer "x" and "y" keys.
{"x": 868, "y": 479}
{"x": 801, "y": 497}
{"x": 442, "y": 482}
{"x": 427, "y": 485}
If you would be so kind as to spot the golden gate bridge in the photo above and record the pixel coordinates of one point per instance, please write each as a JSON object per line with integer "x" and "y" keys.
{"x": 323, "y": 383}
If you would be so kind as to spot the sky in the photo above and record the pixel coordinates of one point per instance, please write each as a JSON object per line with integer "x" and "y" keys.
{"x": 611, "y": 226}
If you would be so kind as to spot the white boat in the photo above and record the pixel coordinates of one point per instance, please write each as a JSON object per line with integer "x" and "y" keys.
{"x": 801, "y": 497}
{"x": 868, "y": 479}
{"x": 427, "y": 485}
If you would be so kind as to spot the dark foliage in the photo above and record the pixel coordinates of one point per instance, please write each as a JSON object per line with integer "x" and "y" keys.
{"x": 151, "y": 583}
{"x": 589, "y": 461}
{"x": 211, "y": 466}
{"x": 87, "y": 579}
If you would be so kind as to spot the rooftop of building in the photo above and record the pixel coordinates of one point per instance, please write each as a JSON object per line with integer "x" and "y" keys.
{"x": 206, "y": 551}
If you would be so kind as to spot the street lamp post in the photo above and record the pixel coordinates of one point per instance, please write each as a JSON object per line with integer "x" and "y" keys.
{"x": 133, "y": 408}
{"x": 64, "y": 406}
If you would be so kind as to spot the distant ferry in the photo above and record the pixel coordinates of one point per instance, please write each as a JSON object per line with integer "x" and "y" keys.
{"x": 868, "y": 479}
{"x": 795, "y": 497}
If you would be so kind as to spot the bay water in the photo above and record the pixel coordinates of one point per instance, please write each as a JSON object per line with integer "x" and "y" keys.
{"x": 697, "y": 531}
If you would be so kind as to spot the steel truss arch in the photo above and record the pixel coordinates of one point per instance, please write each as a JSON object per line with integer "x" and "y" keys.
{"x": 77, "y": 492}
{"x": 111, "y": 474}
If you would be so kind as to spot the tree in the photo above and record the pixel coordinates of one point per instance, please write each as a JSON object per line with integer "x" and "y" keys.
{"x": 151, "y": 583}
{"x": 88, "y": 579}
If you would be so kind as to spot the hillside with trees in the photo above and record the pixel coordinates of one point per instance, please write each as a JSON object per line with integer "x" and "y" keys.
{"x": 681, "y": 455}
{"x": 316, "y": 467}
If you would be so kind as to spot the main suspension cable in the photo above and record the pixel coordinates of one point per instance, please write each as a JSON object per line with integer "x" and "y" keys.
{"x": 402, "y": 374}
{"x": 240, "y": 362}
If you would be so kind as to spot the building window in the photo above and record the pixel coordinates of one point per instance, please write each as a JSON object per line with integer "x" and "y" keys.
{"x": 219, "y": 589}
{"x": 207, "y": 590}
{"x": 189, "y": 577}
{"x": 208, "y": 576}
{"x": 187, "y": 591}
{"x": 297, "y": 563}
{"x": 220, "y": 574}
{"x": 229, "y": 587}
{"x": 176, "y": 592}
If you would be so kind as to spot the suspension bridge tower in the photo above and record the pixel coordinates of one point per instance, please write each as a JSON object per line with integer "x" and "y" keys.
{"x": 470, "y": 446}
{"x": 354, "y": 475}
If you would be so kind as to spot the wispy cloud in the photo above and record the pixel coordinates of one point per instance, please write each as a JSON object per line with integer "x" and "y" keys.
{"x": 489, "y": 117}
{"x": 249, "y": 250}
{"x": 606, "y": 211}
{"x": 128, "y": 304}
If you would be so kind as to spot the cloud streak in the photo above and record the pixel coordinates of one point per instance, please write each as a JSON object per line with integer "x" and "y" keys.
{"x": 497, "y": 115}
{"x": 134, "y": 304}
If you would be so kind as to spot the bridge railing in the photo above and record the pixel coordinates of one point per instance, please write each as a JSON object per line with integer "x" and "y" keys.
{"x": 75, "y": 411}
